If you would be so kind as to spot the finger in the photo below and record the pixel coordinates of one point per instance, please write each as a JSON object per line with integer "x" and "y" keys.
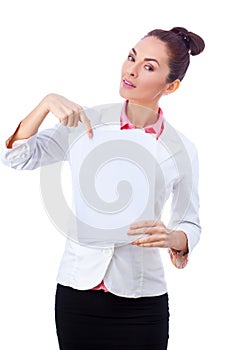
{"x": 84, "y": 119}
{"x": 160, "y": 238}
{"x": 161, "y": 243}
{"x": 76, "y": 121}
{"x": 139, "y": 231}
{"x": 64, "y": 120}
{"x": 151, "y": 245}
{"x": 147, "y": 230}
{"x": 65, "y": 116}
{"x": 144, "y": 223}
{"x": 70, "y": 121}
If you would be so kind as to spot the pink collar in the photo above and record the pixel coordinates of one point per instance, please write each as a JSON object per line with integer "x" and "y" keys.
{"x": 156, "y": 128}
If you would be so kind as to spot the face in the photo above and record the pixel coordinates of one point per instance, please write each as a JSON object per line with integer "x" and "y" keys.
{"x": 144, "y": 73}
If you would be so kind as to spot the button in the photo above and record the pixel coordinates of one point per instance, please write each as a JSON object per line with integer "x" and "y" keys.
{"x": 108, "y": 252}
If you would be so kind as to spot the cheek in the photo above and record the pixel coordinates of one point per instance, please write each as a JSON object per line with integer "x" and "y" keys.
{"x": 124, "y": 67}
{"x": 149, "y": 84}
{"x": 152, "y": 83}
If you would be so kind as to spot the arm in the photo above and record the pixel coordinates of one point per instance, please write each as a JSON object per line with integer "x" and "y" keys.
{"x": 68, "y": 113}
{"x": 185, "y": 214}
{"x": 28, "y": 149}
{"x": 184, "y": 227}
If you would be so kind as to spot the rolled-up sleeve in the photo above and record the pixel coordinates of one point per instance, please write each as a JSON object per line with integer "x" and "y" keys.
{"x": 44, "y": 148}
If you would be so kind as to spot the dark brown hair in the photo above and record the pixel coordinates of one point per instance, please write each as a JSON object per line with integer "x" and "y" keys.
{"x": 180, "y": 44}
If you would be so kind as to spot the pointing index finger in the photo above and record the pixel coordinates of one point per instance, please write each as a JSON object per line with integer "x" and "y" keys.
{"x": 84, "y": 119}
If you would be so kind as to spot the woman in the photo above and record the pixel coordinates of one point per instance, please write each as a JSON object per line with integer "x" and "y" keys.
{"x": 116, "y": 298}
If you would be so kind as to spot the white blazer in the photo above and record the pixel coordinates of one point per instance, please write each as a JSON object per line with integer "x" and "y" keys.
{"x": 127, "y": 270}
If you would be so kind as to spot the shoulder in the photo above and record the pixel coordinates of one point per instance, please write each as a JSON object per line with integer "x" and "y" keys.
{"x": 109, "y": 113}
{"x": 172, "y": 134}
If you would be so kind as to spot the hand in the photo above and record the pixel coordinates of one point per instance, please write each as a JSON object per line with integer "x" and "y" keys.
{"x": 68, "y": 112}
{"x": 158, "y": 235}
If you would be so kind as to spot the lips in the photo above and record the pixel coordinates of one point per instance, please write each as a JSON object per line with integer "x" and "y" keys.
{"x": 128, "y": 83}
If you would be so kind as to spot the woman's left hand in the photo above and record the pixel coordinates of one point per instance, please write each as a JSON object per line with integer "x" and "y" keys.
{"x": 158, "y": 235}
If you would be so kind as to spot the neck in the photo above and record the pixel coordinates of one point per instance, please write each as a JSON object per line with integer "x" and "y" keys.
{"x": 141, "y": 116}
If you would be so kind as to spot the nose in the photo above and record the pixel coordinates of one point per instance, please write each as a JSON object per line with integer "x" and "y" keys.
{"x": 132, "y": 70}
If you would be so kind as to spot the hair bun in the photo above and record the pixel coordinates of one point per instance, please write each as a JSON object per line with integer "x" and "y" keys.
{"x": 194, "y": 43}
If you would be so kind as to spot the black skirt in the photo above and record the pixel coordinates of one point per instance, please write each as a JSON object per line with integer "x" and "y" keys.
{"x": 98, "y": 320}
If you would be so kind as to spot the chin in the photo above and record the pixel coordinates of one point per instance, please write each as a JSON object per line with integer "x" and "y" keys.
{"x": 122, "y": 94}
{"x": 126, "y": 94}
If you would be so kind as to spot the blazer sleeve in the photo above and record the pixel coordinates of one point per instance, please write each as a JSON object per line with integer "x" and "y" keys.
{"x": 46, "y": 147}
{"x": 185, "y": 208}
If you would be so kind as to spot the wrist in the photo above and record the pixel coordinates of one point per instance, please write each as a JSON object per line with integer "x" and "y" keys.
{"x": 46, "y": 103}
{"x": 179, "y": 241}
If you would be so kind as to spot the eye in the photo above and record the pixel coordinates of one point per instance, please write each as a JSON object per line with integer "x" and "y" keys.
{"x": 131, "y": 58}
{"x": 149, "y": 68}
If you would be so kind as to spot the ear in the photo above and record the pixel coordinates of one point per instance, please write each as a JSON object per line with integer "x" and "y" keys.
{"x": 172, "y": 87}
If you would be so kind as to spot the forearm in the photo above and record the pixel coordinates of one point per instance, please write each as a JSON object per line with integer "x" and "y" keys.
{"x": 29, "y": 126}
{"x": 68, "y": 113}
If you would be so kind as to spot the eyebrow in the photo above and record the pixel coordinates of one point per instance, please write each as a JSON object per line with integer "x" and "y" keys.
{"x": 146, "y": 59}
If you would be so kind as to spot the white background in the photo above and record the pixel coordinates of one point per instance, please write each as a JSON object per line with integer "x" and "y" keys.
{"x": 76, "y": 49}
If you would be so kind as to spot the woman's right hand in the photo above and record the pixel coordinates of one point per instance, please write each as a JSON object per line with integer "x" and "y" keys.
{"x": 67, "y": 112}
